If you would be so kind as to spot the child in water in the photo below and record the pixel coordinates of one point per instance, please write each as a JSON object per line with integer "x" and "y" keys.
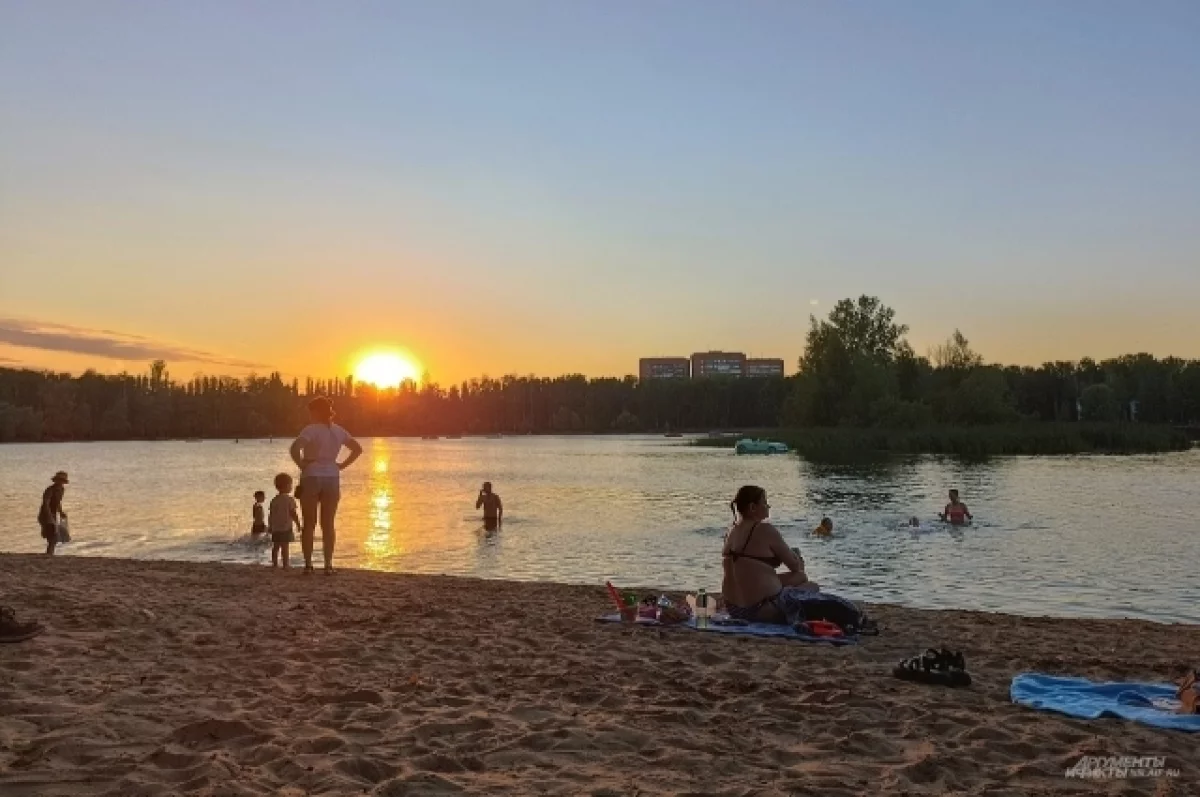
{"x": 283, "y": 520}
{"x": 956, "y": 512}
{"x": 260, "y": 522}
{"x": 825, "y": 529}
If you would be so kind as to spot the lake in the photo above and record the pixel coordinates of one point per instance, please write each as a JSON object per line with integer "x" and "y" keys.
{"x": 1072, "y": 536}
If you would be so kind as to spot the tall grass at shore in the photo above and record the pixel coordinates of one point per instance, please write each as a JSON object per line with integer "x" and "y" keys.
{"x": 979, "y": 441}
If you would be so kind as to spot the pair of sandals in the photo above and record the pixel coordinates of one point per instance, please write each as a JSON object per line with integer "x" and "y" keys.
{"x": 12, "y": 630}
{"x": 940, "y": 667}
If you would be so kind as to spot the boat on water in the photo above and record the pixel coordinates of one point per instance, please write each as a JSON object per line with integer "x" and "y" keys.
{"x": 673, "y": 434}
{"x": 749, "y": 446}
{"x": 454, "y": 437}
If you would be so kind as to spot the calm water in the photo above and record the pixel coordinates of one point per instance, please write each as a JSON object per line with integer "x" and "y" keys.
{"x": 1081, "y": 536}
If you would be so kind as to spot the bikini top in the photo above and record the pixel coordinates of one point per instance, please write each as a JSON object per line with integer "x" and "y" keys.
{"x": 770, "y": 561}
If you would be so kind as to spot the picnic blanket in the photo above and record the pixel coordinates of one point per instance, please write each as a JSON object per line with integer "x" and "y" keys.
{"x": 752, "y": 629}
{"x": 1148, "y": 703}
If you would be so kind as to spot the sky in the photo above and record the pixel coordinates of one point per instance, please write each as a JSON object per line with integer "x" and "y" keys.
{"x": 521, "y": 186}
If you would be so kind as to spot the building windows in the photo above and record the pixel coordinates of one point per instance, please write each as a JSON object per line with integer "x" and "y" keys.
{"x": 710, "y": 364}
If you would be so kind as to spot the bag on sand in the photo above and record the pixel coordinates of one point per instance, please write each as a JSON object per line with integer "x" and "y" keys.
{"x": 64, "y": 531}
{"x": 823, "y": 606}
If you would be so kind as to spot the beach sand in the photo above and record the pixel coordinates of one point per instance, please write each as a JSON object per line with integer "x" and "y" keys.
{"x": 160, "y": 678}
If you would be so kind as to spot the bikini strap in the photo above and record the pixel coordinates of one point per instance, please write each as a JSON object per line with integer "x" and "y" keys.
{"x": 749, "y": 534}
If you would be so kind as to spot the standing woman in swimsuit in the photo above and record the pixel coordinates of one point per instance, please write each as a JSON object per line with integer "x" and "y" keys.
{"x": 753, "y": 549}
{"x": 316, "y": 453}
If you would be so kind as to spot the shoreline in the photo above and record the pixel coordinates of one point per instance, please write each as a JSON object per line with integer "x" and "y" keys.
{"x": 163, "y": 677}
{"x": 575, "y": 585}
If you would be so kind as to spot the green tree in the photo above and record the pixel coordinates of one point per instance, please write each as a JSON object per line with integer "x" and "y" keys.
{"x": 114, "y": 424}
{"x": 956, "y": 354}
{"x": 1099, "y": 403}
{"x": 982, "y": 398}
{"x": 849, "y": 363}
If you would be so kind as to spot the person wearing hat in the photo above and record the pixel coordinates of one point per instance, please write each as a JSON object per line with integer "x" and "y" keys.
{"x": 52, "y": 511}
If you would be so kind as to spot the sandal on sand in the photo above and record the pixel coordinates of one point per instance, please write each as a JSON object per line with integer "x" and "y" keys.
{"x": 13, "y": 631}
{"x": 940, "y": 667}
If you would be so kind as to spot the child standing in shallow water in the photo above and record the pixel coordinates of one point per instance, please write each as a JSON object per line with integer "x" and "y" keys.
{"x": 259, "y": 525}
{"x": 283, "y": 520}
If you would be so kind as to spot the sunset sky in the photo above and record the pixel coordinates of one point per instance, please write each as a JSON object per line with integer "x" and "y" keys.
{"x": 563, "y": 186}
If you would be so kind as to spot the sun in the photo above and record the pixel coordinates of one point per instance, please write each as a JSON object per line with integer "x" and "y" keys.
{"x": 387, "y": 369}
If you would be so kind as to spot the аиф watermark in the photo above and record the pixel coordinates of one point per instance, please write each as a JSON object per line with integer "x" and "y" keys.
{"x": 1120, "y": 767}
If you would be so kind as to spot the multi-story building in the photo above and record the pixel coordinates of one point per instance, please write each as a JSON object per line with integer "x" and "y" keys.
{"x": 710, "y": 363}
{"x": 718, "y": 363}
{"x": 764, "y": 366}
{"x": 664, "y": 368}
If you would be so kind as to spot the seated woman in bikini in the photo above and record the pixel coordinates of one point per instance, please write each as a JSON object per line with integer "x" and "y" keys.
{"x": 753, "y": 549}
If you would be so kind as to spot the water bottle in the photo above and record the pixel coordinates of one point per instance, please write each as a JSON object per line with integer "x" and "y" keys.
{"x": 702, "y": 609}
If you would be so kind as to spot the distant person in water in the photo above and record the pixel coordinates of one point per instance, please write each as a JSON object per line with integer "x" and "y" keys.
{"x": 824, "y": 529}
{"x": 316, "y": 453}
{"x": 914, "y": 523}
{"x": 754, "y": 548}
{"x": 493, "y": 507}
{"x": 956, "y": 511}
{"x": 51, "y": 511}
{"x": 258, "y": 525}
{"x": 283, "y": 520}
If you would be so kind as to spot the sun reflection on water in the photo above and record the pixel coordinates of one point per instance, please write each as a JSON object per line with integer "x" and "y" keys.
{"x": 380, "y": 545}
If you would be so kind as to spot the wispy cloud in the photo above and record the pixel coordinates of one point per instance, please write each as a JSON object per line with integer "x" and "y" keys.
{"x": 49, "y": 336}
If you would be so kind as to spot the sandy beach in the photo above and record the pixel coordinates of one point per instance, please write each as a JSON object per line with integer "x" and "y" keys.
{"x": 159, "y": 678}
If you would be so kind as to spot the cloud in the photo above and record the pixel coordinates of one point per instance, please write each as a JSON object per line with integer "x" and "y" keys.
{"x": 49, "y": 336}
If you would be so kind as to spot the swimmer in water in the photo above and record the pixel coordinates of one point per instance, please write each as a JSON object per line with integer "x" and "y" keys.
{"x": 493, "y": 507}
{"x": 956, "y": 512}
{"x": 914, "y": 523}
{"x": 825, "y": 529}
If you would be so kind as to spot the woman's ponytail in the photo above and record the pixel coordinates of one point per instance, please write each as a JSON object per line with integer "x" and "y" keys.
{"x": 746, "y": 497}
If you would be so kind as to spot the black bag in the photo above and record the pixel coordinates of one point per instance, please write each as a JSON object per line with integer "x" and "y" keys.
{"x": 833, "y": 609}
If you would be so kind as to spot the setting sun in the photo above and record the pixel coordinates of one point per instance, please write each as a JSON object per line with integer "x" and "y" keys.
{"x": 387, "y": 369}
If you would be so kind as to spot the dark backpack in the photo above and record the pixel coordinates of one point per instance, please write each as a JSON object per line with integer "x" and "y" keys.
{"x": 833, "y": 609}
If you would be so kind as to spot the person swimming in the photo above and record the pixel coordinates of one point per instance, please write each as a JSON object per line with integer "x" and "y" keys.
{"x": 956, "y": 511}
{"x": 824, "y": 529}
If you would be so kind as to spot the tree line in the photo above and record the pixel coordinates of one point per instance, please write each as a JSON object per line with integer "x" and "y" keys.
{"x": 857, "y": 370}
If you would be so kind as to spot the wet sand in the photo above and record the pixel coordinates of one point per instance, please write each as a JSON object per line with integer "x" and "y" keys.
{"x": 158, "y": 678}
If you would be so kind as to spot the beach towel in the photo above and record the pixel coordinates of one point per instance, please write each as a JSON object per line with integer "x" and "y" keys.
{"x": 752, "y": 629}
{"x": 1151, "y": 704}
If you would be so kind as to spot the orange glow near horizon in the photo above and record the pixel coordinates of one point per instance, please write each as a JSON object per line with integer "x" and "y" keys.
{"x": 387, "y": 369}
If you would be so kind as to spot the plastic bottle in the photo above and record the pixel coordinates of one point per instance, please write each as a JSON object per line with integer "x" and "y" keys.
{"x": 702, "y": 609}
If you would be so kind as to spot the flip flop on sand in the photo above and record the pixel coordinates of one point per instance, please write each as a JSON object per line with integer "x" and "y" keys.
{"x": 940, "y": 667}
{"x": 13, "y": 631}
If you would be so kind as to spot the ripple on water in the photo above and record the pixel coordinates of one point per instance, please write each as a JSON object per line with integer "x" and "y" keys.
{"x": 1078, "y": 536}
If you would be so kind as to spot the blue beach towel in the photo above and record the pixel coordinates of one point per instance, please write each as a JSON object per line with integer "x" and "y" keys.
{"x": 1151, "y": 704}
{"x": 752, "y": 629}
